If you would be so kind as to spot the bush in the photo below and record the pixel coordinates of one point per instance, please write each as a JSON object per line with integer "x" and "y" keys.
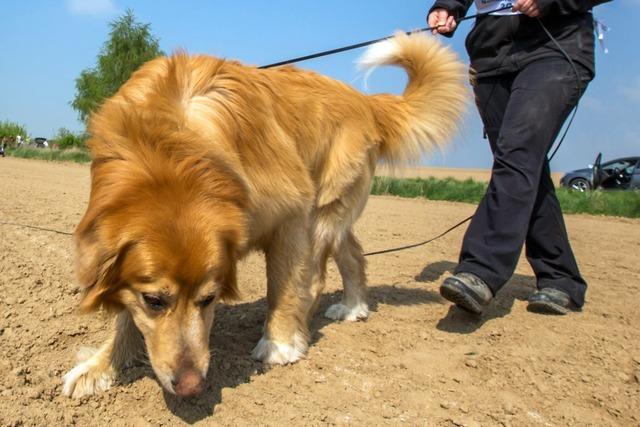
{"x": 65, "y": 139}
{"x": 9, "y": 131}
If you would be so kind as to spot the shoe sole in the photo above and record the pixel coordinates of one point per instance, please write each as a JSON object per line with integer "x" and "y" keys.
{"x": 547, "y": 307}
{"x": 460, "y": 297}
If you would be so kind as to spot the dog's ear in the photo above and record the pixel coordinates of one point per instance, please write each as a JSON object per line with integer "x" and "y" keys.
{"x": 227, "y": 271}
{"x": 98, "y": 269}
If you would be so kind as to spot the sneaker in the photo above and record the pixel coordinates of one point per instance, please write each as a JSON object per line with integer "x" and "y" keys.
{"x": 467, "y": 291}
{"x": 550, "y": 301}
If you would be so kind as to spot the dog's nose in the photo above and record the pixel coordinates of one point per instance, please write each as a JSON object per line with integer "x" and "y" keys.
{"x": 189, "y": 383}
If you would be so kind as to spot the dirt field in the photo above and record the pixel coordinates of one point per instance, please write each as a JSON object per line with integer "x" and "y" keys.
{"x": 416, "y": 361}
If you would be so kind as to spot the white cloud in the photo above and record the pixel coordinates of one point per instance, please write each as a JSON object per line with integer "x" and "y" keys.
{"x": 90, "y": 7}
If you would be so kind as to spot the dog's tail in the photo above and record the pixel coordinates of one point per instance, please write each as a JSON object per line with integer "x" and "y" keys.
{"x": 427, "y": 113}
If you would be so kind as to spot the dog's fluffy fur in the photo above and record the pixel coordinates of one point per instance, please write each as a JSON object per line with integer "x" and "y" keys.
{"x": 198, "y": 160}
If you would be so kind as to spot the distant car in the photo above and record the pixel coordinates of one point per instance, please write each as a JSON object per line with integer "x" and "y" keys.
{"x": 618, "y": 174}
{"x": 39, "y": 142}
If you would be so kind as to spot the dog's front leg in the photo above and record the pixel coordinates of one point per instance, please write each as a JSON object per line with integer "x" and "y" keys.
{"x": 97, "y": 369}
{"x": 286, "y": 336}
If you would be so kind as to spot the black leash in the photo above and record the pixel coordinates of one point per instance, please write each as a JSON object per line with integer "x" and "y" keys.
{"x": 370, "y": 42}
{"x": 578, "y": 84}
{"x": 65, "y": 233}
{"x": 36, "y": 228}
{"x": 421, "y": 243}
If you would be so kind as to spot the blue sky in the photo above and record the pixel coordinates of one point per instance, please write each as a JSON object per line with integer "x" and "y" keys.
{"x": 46, "y": 43}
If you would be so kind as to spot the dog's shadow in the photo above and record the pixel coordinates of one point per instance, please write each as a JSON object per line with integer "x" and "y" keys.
{"x": 238, "y": 328}
{"x": 459, "y": 321}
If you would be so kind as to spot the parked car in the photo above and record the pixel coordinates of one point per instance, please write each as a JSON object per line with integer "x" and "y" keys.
{"x": 618, "y": 174}
{"x": 39, "y": 142}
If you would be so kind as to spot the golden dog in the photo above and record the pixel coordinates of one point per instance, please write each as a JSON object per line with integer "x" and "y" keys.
{"x": 198, "y": 160}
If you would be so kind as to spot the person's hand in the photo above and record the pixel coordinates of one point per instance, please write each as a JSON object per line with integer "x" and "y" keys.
{"x": 527, "y": 7}
{"x": 441, "y": 21}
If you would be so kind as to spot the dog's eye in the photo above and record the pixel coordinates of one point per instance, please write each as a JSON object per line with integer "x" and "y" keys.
{"x": 154, "y": 302}
{"x": 207, "y": 301}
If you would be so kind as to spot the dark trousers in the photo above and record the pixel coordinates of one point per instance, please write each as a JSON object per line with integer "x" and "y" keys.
{"x": 523, "y": 113}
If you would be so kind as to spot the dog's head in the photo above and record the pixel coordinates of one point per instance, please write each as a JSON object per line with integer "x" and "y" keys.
{"x": 161, "y": 242}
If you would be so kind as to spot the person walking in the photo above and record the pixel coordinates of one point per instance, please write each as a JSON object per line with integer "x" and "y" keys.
{"x": 525, "y": 87}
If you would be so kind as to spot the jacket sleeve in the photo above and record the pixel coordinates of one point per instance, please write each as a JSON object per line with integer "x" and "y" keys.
{"x": 566, "y": 7}
{"x": 457, "y": 8}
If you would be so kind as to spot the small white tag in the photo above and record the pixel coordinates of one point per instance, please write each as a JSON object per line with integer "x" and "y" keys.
{"x": 492, "y": 6}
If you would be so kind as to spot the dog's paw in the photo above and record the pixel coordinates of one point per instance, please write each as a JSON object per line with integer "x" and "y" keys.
{"x": 278, "y": 353}
{"x": 88, "y": 377}
{"x": 351, "y": 314}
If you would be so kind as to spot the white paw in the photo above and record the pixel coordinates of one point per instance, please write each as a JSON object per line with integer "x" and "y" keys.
{"x": 85, "y": 353}
{"x": 350, "y": 314}
{"x": 87, "y": 377}
{"x": 278, "y": 353}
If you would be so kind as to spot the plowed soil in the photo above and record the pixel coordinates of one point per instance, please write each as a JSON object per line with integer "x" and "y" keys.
{"x": 416, "y": 361}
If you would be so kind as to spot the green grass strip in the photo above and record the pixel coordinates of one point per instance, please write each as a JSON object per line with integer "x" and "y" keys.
{"x": 468, "y": 191}
{"x": 624, "y": 203}
{"x": 612, "y": 203}
{"x": 72, "y": 155}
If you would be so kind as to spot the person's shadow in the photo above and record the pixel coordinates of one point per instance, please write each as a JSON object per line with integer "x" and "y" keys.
{"x": 459, "y": 321}
{"x": 237, "y": 328}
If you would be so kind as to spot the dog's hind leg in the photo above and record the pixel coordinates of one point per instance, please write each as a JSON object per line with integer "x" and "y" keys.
{"x": 351, "y": 263}
{"x": 288, "y": 255}
{"x": 97, "y": 369}
{"x": 321, "y": 252}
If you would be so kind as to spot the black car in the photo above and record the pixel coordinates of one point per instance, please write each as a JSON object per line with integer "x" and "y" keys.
{"x": 618, "y": 174}
{"x": 40, "y": 142}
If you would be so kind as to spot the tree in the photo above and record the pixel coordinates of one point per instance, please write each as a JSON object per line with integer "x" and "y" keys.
{"x": 130, "y": 45}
